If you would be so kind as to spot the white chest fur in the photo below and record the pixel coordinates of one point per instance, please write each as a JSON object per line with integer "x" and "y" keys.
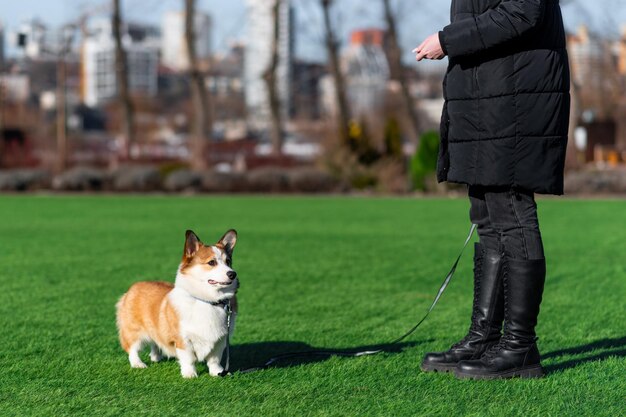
{"x": 202, "y": 326}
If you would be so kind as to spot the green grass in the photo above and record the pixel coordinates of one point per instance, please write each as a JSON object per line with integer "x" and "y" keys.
{"x": 324, "y": 273}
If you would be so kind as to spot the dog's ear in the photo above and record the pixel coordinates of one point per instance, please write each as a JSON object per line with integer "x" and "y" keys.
{"x": 228, "y": 241}
{"x": 192, "y": 244}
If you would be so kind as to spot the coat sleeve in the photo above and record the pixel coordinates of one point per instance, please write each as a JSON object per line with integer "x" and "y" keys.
{"x": 507, "y": 21}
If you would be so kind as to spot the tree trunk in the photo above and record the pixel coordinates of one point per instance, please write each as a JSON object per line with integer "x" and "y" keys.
{"x": 1, "y": 109}
{"x": 398, "y": 72}
{"x": 123, "y": 93}
{"x": 201, "y": 120}
{"x": 61, "y": 124}
{"x": 335, "y": 69}
{"x": 271, "y": 78}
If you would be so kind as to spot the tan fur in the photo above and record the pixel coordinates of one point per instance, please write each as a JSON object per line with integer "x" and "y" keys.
{"x": 202, "y": 255}
{"x": 177, "y": 319}
{"x": 145, "y": 312}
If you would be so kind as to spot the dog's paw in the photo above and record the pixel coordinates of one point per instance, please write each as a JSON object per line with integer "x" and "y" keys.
{"x": 138, "y": 365}
{"x": 188, "y": 373}
{"x": 216, "y": 370}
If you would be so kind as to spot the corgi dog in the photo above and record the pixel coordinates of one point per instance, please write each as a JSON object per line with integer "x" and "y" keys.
{"x": 186, "y": 320}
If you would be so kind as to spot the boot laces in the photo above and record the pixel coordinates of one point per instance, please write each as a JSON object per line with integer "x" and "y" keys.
{"x": 497, "y": 348}
{"x": 462, "y": 341}
{"x": 473, "y": 326}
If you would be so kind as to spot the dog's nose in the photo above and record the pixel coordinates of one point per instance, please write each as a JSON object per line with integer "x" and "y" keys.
{"x": 231, "y": 275}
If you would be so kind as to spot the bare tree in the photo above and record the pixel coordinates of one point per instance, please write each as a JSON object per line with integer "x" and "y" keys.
{"x": 271, "y": 77}
{"x": 600, "y": 90}
{"x": 398, "y": 72}
{"x": 335, "y": 69}
{"x": 61, "y": 124}
{"x": 596, "y": 83}
{"x": 66, "y": 37}
{"x": 1, "y": 110}
{"x": 121, "y": 73}
{"x": 202, "y": 121}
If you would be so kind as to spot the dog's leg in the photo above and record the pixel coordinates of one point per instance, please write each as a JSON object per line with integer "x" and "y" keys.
{"x": 187, "y": 361}
{"x": 155, "y": 353}
{"x": 215, "y": 357}
{"x": 133, "y": 355}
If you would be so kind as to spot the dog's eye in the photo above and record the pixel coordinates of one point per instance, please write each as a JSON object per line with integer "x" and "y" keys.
{"x": 229, "y": 262}
{"x": 212, "y": 262}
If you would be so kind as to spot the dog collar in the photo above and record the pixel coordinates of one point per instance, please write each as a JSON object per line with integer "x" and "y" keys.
{"x": 221, "y": 303}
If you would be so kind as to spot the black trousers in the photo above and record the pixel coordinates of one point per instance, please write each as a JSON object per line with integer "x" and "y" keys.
{"x": 507, "y": 221}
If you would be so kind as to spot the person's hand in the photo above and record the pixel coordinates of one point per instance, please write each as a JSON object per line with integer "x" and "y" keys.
{"x": 429, "y": 49}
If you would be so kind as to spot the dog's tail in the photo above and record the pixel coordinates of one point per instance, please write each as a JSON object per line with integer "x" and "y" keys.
{"x": 119, "y": 322}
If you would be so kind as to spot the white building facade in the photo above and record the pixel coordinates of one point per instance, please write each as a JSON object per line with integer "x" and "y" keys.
{"x": 98, "y": 66}
{"x": 174, "y": 44}
{"x": 33, "y": 37}
{"x": 257, "y": 59}
{"x": 366, "y": 71}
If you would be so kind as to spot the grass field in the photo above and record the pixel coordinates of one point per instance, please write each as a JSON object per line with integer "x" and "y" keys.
{"x": 316, "y": 273}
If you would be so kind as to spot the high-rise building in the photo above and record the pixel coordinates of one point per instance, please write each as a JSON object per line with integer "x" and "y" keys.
{"x": 305, "y": 85}
{"x": 174, "y": 44}
{"x": 366, "y": 70}
{"x": 258, "y": 56}
{"x": 98, "y": 64}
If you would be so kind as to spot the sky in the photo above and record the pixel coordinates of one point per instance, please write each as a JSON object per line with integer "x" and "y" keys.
{"x": 418, "y": 18}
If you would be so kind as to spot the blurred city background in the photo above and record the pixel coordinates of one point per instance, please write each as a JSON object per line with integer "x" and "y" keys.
{"x": 263, "y": 95}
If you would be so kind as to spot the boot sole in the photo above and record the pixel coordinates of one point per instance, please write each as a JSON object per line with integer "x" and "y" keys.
{"x": 528, "y": 372}
{"x": 438, "y": 368}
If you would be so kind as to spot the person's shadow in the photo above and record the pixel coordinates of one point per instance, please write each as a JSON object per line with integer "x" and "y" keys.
{"x": 616, "y": 347}
{"x": 251, "y": 357}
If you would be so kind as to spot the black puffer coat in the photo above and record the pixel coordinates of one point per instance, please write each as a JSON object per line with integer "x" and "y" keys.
{"x": 506, "y": 115}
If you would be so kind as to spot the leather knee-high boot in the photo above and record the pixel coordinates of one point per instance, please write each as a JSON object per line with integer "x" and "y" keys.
{"x": 516, "y": 354}
{"x": 487, "y": 315}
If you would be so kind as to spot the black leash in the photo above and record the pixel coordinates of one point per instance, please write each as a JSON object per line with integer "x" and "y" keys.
{"x": 324, "y": 353}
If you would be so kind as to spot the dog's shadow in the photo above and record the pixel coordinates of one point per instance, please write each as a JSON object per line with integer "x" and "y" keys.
{"x": 612, "y": 348}
{"x": 255, "y": 356}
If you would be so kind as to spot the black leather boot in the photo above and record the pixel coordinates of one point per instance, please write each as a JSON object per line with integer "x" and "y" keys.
{"x": 516, "y": 354}
{"x": 487, "y": 315}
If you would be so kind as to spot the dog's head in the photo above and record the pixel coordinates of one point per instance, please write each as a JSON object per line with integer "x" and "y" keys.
{"x": 206, "y": 270}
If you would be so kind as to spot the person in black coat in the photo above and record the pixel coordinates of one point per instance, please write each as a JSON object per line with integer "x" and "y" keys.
{"x": 504, "y": 134}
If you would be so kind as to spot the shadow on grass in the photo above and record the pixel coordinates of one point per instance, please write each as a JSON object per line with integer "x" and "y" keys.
{"x": 253, "y": 356}
{"x": 617, "y": 346}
